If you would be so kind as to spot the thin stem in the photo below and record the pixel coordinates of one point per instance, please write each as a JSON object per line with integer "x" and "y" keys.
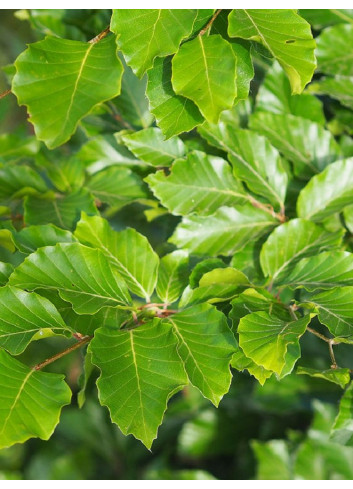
{"x": 330, "y": 343}
{"x": 100, "y": 36}
{"x": 268, "y": 208}
{"x": 209, "y": 24}
{"x": 292, "y": 313}
{"x": 4, "y": 94}
{"x": 332, "y": 355}
{"x": 79, "y": 344}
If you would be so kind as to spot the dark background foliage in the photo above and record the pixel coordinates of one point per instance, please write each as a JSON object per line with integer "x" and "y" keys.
{"x": 196, "y": 440}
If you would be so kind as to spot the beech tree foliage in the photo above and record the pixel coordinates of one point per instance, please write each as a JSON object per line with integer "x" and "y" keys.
{"x": 248, "y": 182}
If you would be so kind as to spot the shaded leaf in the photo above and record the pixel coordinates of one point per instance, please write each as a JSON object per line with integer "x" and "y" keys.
{"x": 5, "y": 271}
{"x": 307, "y": 144}
{"x": 150, "y": 146}
{"x": 342, "y": 430}
{"x": 18, "y": 181}
{"x": 172, "y": 276}
{"x": 116, "y": 186}
{"x": 334, "y": 50}
{"x": 274, "y": 95}
{"x": 63, "y": 211}
{"x": 31, "y": 238}
{"x": 174, "y": 114}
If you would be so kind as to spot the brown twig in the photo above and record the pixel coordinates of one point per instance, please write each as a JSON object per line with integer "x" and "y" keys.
{"x": 4, "y": 94}
{"x": 100, "y": 36}
{"x": 330, "y": 343}
{"x": 209, "y": 24}
{"x": 79, "y": 344}
{"x": 268, "y": 208}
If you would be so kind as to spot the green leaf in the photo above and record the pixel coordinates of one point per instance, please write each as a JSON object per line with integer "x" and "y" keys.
{"x": 206, "y": 346}
{"x": 274, "y": 95}
{"x": 342, "y": 430}
{"x": 79, "y": 75}
{"x": 132, "y": 103}
{"x": 217, "y": 285}
{"x": 128, "y": 251}
{"x": 204, "y": 71}
{"x": 116, "y": 186}
{"x": 265, "y": 339}
{"x": 23, "y": 315}
{"x": 140, "y": 371}
{"x": 339, "y": 87}
{"x": 326, "y": 270}
{"x": 200, "y": 184}
{"x": 174, "y": 114}
{"x": 143, "y": 34}
{"x": 23, "y": 391}
{"x": 5, "y": 271}
{"x": 82, "y": 275}
{"x": 334, "y": 308}
{"x": 241, "y": 362}
{"x": 285, "y": 34}
{"x": 273, "y": 460}
{"x": 150, "y": 146}
{"x": 67, "y": 174}
{"x": 340, "y": 376}
{"x": 289, "y": 134}
{"x": 252, "y": 300}
{"x": 226, "y": 231}
{"x": 104, "y": 151}
{"x": 294, "y": 240}
{"x": 63, "y": 211}
{"x": 257, "y": 163}
{"x": 348, "y": 217}
{"x": 203, "y": 267}
{"x": 328, "y": 192}
{"x": 320, "y": 18}
{"x": 31, "y": 238}
{"x": 334, "y": 50}
{"x": 13, "y": 146}
{"x": 172, "y": 276}
{"x": 18, "y": 181}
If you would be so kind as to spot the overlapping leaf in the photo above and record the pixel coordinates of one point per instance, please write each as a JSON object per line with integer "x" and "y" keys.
{"x": 294, "y": 48}
{"x": 292, "y": 241}
{"x": 127, "y": 250}
{"x": 149, "y": 146}
{"x": 174, "y": 114}
{"x": 307, "y": 144}
{"x": 206, "y": 346}
{"x": 144, "y": 34}
{"x": 82, "y": 275}
{"x": 116, "y": 186}
{"x": 31, "y": 238}
{"x": 328, "y": 192}
{"x": 200, "y": 184}
{"x": 265, "y": 339}
{"x": 57, "y": 98}
{"x": 172, "y": 276}
{"x": 334, "y": 50}
{"x": 62, "y": 211}
{"x": 140, "y": 371}
{"x": 23, "y": 315}
{"x": 326, "y": 270}
{"x": 204, "y": 71}
{"x": 25, "y": 395}
{"x": 226, "y": 231}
